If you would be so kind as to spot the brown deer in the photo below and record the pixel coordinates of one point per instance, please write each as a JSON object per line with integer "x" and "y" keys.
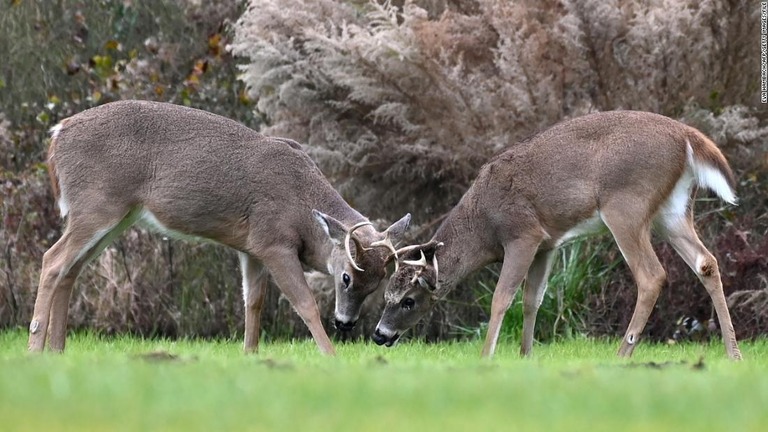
{"x": 191, "y": 173}
{"x": 624, "y": 170}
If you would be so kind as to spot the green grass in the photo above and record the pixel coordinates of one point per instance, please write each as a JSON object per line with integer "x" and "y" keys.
{"x": 110, "y": 384}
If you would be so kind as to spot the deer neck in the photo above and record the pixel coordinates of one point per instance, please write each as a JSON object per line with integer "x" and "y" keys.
{"x": 317, "y": 245}
{"x": 467, "y": 247}
{"x": 327, "y": 200}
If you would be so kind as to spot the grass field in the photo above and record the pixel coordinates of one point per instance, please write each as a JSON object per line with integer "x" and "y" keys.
{"x": 133, "y": 384}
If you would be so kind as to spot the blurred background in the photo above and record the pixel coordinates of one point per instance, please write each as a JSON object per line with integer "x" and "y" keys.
{"x": 400, "y": 103}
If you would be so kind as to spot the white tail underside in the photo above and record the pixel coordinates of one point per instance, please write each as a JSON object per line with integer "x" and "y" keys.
{"x": 709, "y": 177}
{"x": 62, "y": 201}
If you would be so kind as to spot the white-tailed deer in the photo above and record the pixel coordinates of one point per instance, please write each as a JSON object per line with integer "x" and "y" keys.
{"x": 629, "y": 171}
{"x": 188, "y": 172}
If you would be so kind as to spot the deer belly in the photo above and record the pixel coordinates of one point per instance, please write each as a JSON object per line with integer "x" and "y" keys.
{"x": 149, "y": 221}
{"x": 592, "y": 225}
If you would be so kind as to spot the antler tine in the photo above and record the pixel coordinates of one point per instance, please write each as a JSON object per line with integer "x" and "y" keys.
{"x": 434, "y": 264}
{"x": 422, "y": 262}
{"x": 386, "y": 243}
{"x": 416, "y": 276}
{"x": 436, "y": 294}
{"x": 346, "y": 244}
{"x": 358, "y": 225}
{"x": 406, "y": 249}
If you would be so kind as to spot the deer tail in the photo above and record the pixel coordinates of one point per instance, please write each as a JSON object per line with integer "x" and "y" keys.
{"x": 710, "y": 167}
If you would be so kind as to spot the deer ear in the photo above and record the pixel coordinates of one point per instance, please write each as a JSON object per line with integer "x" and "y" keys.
{"x": 396, "y": 231}
{"x": 332, "y": 227}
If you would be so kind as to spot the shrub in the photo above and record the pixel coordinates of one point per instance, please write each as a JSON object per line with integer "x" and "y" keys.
{"x": 402, "y": 103}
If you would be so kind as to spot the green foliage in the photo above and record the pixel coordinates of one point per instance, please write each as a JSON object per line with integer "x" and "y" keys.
{"x": 62, "y": 58}
{"x": 579, "y": 270}
{"x": 133, "y": 384}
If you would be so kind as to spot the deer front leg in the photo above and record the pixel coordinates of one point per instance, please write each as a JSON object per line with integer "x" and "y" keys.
{"x": 535, "y": 286}
{"x": 255, "y": 279}
{"x": 518, "y": 256}
{"x": 287, "y": 272}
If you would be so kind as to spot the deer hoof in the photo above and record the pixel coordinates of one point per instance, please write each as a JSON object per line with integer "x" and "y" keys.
{"x": 33, "y": 326}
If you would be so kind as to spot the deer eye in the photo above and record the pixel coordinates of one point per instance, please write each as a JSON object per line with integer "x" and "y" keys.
{"x": 408, "y": 303}
{"x": 345, "y": 278}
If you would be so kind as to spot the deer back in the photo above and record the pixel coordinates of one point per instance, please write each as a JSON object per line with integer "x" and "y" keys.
{"x": 192, "y": 172}
{"x": 560, "y": 177}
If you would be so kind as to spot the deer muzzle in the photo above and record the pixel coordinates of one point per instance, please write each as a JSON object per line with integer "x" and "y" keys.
{"x": 384, "y": 337}
{"x": 344, "y": 325}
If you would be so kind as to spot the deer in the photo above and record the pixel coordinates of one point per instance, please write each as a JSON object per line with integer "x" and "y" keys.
{"x": 192, "y": 174}
{"x": 630, "y": 172}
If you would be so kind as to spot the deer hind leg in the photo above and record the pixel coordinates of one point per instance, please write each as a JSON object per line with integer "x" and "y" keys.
{"x": 255, "y": 279}
{"x": 634, "y": 240}
{"x": 681, "y": 234}
{"x": 518, "y": 256}
{"x": 57, "y": 324}
{"x": 83, "y": 239}
{"x": 535, "y": 286}
{"x": 285, "y": 268}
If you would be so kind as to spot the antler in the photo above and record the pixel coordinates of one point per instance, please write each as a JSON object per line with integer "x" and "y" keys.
{"x": 434, "y": 264}
{"x": 346, "y": 243}
{"x": 416, "y": 275}
{"x": 406, "y": 249}
{"x": 422, "y": 262}
{"x": 386, "y": 243}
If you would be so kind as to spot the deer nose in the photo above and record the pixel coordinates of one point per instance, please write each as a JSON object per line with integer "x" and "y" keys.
{"x": 383, "y": 339}
{"x": 344, "y": 326}
{"x": 378, "y": 337}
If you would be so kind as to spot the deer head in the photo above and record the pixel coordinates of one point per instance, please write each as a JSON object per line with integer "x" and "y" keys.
{"x": 358, "y": 262}
{"x": 412, "y": 291}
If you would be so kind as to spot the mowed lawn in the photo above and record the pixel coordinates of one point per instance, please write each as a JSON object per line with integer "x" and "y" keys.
{"x": 125, "y": 383}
